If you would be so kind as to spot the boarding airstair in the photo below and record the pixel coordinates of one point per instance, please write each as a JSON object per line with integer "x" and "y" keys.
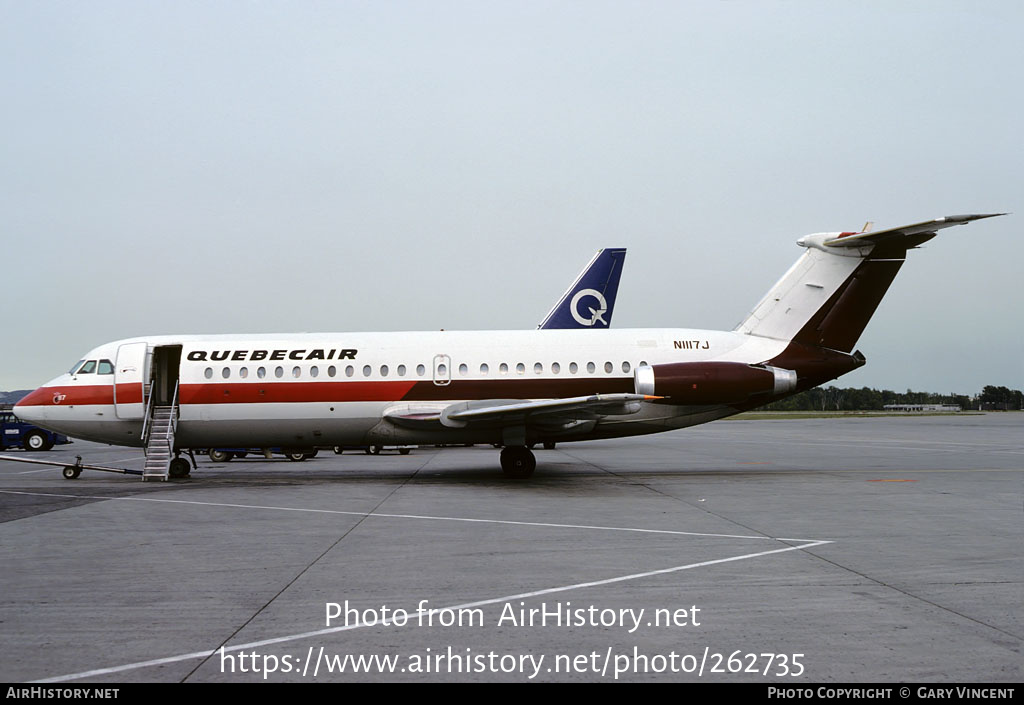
{"x": 158, "y": 433}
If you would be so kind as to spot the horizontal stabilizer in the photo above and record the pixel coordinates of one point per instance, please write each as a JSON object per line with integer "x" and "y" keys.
{"x": 912, "y": 235}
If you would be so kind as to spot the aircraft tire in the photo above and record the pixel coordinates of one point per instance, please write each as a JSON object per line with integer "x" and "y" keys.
{"x": 179, "y": 468}
{"x": 296, "y": 457}
{"x": 70, "y": 472}
{"x": 404, "y": 451}
{"x": 549, "y": 445}
{"x": 220, "y": 456}
{"x": 338, "y": 450}
{"x": 518, "y": 462}
{"x": 375, "y": 450}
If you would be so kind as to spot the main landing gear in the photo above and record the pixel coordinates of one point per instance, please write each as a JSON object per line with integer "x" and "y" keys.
{"x": 179, "y": 468}
{"x": 518, "y": 461}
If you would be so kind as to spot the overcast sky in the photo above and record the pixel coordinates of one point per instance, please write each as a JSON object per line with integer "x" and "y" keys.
{"x": 214, "y": 167}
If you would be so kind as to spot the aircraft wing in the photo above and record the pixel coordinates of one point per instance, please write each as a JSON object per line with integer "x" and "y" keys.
{"x": 517, "y": 412}
{"x": 915, "y": 234}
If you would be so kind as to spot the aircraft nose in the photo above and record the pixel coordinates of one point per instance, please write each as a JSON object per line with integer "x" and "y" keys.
{"x": 30, "y": 407}
{"x": 25, "y": 413}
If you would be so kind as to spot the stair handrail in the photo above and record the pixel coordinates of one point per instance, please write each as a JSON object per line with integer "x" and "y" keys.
{"x": 174, "y": 410}
{"x": 147, "y": 416}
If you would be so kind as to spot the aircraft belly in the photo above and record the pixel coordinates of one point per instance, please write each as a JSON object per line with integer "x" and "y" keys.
{"x": 99, "y": 426}
{"x": 349, "y": 423}
{"x": 263, "y": 425}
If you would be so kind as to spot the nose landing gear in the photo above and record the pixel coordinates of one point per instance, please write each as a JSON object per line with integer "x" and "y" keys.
{"x": 179, "y": 468}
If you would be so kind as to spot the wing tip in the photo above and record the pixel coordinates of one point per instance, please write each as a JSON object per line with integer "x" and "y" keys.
{"x": 968, "y": 218}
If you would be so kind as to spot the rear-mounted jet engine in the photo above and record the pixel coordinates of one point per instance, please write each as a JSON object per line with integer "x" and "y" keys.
{"x": 712, "y": 382}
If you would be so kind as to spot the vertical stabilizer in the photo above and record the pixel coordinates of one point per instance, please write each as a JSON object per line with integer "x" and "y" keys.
{"x": 827, "y": 298}
{"x": 589, "y": 302}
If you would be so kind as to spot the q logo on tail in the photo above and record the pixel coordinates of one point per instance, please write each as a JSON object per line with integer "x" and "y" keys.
{"x": 596, "y": 314}
{"x": 590, "y": 301}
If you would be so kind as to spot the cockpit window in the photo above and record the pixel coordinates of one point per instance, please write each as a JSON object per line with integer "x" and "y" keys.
{"x": 106, "y": 367}
{"x": 75, "y": 367}
{"x": 87, "y": 368}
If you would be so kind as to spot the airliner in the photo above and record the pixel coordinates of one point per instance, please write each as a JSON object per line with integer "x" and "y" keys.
{"x": 508, "y": 388}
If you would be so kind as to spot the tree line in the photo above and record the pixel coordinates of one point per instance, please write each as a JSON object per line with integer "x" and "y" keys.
{"x": 865, "y": 399}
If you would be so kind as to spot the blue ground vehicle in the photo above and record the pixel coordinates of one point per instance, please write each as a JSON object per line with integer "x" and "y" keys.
{"x": 15, "y": 432}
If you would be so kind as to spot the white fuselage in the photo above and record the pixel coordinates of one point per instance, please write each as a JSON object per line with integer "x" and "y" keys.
{"x": 324, "y": 389}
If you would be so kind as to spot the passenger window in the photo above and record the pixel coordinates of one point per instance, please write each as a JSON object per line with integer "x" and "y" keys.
{"x": 243, "y": 372}
{"x": 420, "y": 369}
{"x": 538, "y": 368}
{"x": 106, "y": 367}
{"x": 296, "y": 372}
{"x": 608, "y": 367}
{"x": 88, "y": 368}
{"x": 573, "y": 368}
{"x": 591, "y": 367}
{"x": 314, "y": 371}
{"x": 503, "y": 369}
{"x": 625, "y": 367}
{"x": 463, "y": 369}
{"x": 349, "y": 371}
{"x": 484, "y": 369}
{"x": 401, "y": 370}
{"x": 520, "y": 368}
{"x": 331, "y": 371}
{"x": 366, "y": 370}
{"x": 226, "y": 372}
{"x": 383, "y": 370}
{"x": 261, "y": 372}
{"x": 556, "y": 368}
{"x": 208, "y": 373}
{"x": 279, "y": 372}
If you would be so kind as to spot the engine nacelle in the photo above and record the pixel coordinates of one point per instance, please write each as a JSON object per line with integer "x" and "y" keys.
{"x": 708, "y": 383}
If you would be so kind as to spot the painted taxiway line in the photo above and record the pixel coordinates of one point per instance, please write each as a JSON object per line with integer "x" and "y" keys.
{"x": 454, "y": 608}
{"x": 422, "y": 517}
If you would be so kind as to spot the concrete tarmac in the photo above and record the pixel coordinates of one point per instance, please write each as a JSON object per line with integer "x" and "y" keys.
{"x": 780, "y": 551}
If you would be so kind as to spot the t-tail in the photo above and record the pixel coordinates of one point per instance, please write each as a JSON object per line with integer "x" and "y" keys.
{"x": 823, "y": 303}
{"x": 588, "y": 303}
